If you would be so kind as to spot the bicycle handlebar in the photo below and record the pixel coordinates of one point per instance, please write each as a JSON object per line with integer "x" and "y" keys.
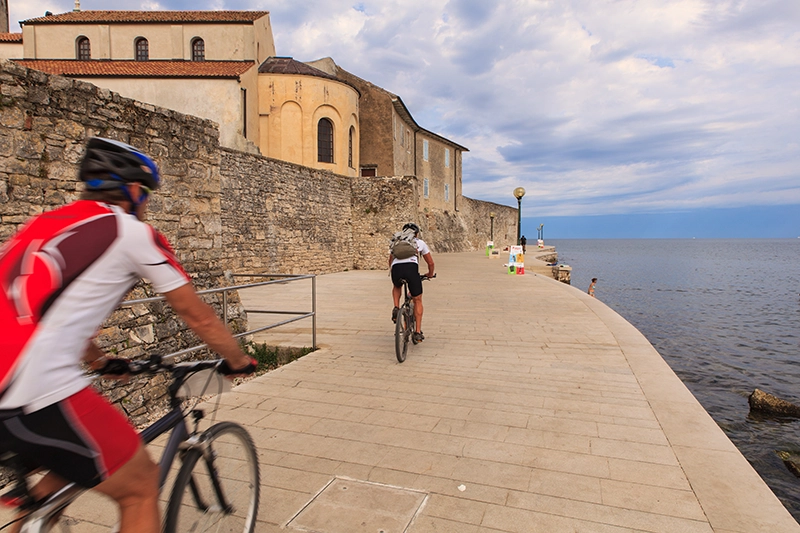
{"x": 156, "y": 364}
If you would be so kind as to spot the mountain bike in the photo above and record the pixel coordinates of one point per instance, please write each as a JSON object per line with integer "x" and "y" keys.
{"x": 404, "y": 325}
{"x": 217, "y": 484}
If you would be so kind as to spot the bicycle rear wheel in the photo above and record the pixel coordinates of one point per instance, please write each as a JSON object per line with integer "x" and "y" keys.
{"x": 217, "y": 487}
{"x": 402, "y": 334}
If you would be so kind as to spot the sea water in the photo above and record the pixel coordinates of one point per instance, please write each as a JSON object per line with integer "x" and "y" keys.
{"x": 725, "y": 315}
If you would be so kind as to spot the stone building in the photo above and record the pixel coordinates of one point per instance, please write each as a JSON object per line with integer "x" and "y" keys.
{"x": 221, "y": 65}
{"x": 393, "y": 144}
{"x": 202, "y": 63}
{"x": 308, "y": 117}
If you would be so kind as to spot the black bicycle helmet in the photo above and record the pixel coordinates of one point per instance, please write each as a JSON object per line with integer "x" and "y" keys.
{"x": 411, "y": 226}
{"x": 110, "y": 164}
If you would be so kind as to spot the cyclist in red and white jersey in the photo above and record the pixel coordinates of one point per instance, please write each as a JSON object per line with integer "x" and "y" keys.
{"x": 61, "y": 276}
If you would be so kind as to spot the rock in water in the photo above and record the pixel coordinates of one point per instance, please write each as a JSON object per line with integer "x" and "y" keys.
{"x": 791, "y": 461}
{"x": 767, "y": 403}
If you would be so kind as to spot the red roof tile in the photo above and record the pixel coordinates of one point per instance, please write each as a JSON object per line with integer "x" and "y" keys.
{"x": 110, "y": 17}
{"x": 10, "y": 37}
{"x": 139, "y": 69}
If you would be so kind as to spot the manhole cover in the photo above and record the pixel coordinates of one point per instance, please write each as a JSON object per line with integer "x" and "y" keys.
{"x": 350, "y": 506}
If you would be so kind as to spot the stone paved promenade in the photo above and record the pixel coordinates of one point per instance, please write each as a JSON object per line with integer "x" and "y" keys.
{"x": 530, "y": 407}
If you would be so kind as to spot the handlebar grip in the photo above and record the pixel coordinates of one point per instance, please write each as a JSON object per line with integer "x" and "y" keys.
{"x": 115, "y": 367}
{"x": 225, "y": 369}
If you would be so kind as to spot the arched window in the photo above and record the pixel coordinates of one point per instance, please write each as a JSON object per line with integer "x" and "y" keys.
{"x": 325, "y": 141}
{"x": 198, "y": 49}
{"x": 83, "y": 48}
{"x": 141, "y": 49}
{"x": 350, "y": 147}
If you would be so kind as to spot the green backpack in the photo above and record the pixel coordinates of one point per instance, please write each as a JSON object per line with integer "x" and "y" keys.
{"x": 403, "y": 244}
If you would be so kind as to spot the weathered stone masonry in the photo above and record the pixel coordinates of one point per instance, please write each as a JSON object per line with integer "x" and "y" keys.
{"x": 222, "y": 210}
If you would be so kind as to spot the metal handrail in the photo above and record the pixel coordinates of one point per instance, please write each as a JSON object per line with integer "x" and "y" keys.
{"x": 224, "y": 290}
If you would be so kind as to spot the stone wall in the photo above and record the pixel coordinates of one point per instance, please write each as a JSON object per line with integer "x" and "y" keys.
{"x": 279, "y": 217}
{"x": 44, "y": 124}
{"x": 222, "y": 210}
{"x": 470, "y": 227}
{"x": 380, "y": 207}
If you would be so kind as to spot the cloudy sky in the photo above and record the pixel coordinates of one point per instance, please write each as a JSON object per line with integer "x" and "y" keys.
{"x": 595, "y": 107}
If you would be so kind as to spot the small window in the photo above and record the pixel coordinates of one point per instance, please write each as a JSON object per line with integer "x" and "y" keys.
{"x": 325, "y": 141}
{"x": 350, "y": 147}
{"x": 198, "y": 49}
{"x": 425, "y": 150}
{"x": 142, "y": 49}
{"x": 402, "y": 136}
{"x": 447, "y": 157}
{"x": 394, "y": 127}
{"x": 425, "y": 188}
{"x": 83, "y": 49}
{"x": 244, "y": 112}
{"x": 446, "y": 192}
{"x": 368, "y": 172}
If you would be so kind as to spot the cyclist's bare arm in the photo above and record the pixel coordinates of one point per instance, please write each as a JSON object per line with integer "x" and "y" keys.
{"x": 429, "y": 259}
{"x": 199, "y": 316}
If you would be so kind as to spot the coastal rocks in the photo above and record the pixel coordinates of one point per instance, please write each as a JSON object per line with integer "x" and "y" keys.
{"x": 767, "y": 403}
{"x": 792, "y": 462}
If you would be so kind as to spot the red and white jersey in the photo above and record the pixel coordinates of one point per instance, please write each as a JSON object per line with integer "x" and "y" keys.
{"x": 61, "y": 276}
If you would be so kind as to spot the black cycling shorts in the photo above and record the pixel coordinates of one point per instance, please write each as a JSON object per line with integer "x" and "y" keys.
{"x": 410, "y": 273}
{"x": 82, "y": 438}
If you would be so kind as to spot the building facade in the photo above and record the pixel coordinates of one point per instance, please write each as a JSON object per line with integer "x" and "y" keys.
{"x": 10, "y": 45}
{"x": 221, "y": 65}
{"x": 308, "y": 117}
{"x": 393, "y": 144}
{"x": 202, "y": 63}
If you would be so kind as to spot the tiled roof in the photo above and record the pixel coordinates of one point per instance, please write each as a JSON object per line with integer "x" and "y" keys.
{"x": 10, "y": 37}
{"x": 110, "y": 17}
{"x": 139, "y": 69}
{"x": 287, "y": 65}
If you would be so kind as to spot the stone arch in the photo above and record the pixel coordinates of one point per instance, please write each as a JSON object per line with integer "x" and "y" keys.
{"x": 291, "y": 128}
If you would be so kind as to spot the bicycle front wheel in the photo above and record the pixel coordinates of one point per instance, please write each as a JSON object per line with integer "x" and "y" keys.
{"x": 402, "y": 334}
{"x": 217, "y": 487}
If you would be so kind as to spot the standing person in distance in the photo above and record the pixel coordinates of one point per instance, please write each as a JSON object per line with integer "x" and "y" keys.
{"x": 524, "y": 242}
{"x": 591, "y": 287}
{"x": 61, "y": 276}
{"x": 408, "y": 269}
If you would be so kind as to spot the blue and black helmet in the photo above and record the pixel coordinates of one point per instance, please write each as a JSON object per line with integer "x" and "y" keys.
{"x": 110, "y": 164}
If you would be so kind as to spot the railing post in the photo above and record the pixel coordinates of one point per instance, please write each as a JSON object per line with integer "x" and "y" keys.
{"x": 225, "y": 308}
{"x": 314, "y": 312}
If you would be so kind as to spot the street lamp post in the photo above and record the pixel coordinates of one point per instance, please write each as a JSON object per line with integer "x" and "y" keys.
{"x": 519, "y": 192}
{"x": 541, "y": 232}
{"x": 491, "y": 231}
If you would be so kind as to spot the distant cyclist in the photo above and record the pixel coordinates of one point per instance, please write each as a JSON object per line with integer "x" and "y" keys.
{"x": 61, "y": 276}
{"x": 408, "y": 269}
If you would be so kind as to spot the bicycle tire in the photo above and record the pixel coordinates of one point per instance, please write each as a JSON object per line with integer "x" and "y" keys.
{"x": 230, "y": 457}
{"x": 401, "y": 334}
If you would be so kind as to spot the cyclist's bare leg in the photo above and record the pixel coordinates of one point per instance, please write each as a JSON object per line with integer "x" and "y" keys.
{"x": 135, "y": 488}
{"x": 396, "y": 293}
{"x": 417, "y": 313}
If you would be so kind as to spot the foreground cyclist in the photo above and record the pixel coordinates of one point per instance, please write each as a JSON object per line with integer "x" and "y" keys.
{"x": 61, "y": 276}
{"x": 408, "y": 269}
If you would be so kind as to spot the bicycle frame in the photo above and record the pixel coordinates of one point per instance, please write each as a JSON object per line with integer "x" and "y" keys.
{"x": 174, "y": 421}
